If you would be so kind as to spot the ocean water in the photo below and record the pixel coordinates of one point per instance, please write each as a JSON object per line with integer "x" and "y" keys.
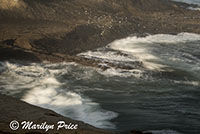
{"x": 197, "y": 2}
{"x": 160, "y": 92}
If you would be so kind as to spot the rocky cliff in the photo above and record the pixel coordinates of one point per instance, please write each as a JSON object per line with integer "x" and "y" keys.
{"x": 55, "y": 30}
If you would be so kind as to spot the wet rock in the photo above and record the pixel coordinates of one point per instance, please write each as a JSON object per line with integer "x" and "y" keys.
{"x": 17, "y": 54}
{"x": 9, "y": 42}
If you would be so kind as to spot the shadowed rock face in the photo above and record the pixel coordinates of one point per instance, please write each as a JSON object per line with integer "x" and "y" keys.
{"x": 53, "y": 30}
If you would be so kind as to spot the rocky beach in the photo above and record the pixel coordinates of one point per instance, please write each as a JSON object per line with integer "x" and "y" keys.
{"x": 52, "y": 31}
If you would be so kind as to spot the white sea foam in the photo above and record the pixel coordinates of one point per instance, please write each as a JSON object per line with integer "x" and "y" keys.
{"x": 189, "y": 1}
{"x": 160, "y": 38}
{"x": 192, "y": 8}
{"x": 122, "y": 72}
{"x": 49, "y": 96}
{"x": 50, "y": 81}
{"x": 106, "y": 56}
{"x": 144, "y": 50}
{"x": 192, "y": 83}
{"x": 39, "y": 86}
{"x": 72, "y": 105}
{"x": 141, "y": 48}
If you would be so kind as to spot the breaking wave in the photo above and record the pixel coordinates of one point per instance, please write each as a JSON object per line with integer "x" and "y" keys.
{"x": 38, "y": 84}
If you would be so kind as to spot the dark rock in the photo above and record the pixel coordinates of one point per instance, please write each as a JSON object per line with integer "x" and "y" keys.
{"x": 17, "y": 54}
{"x": 9, "y": 42}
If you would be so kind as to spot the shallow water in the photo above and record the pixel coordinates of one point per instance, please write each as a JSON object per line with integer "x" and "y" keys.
{"x": 160, "y": 96}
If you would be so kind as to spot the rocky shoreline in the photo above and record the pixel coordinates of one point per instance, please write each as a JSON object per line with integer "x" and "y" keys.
{"x": 14, "y": 109}
{"x": 56, "y": 31}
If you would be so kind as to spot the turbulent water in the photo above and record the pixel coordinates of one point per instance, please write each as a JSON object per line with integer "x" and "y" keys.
{"x": 159, "y": 93}
{"x": 196, "y": 2}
